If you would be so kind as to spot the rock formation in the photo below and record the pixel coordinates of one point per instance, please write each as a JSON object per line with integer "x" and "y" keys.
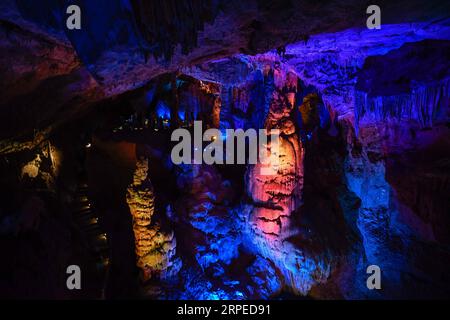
{"x": 278, "y": 197}
{"x": 155, "y": 249}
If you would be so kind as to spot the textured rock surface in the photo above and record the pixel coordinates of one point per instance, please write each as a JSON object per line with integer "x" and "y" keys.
{"x": 277, "y": 197}
{"x": 390, "y": 126}
{"x": 331, "y": 62}
{"x": 212, "y": 230}
{"x": 36, "y": 32}
{"x": 155, "y": 248}
{"x": 363, "y": 173}
{"x": 205, "y": 208}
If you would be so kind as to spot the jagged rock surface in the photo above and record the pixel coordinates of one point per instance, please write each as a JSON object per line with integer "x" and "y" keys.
{"x": 155, "y": 248}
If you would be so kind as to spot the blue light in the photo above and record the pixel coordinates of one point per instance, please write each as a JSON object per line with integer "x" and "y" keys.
{"x": 213, "y": 296}
{"x": 163, "y": 110}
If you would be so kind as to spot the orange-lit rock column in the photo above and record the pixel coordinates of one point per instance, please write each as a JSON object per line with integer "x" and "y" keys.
{"x": 155, "y": 249}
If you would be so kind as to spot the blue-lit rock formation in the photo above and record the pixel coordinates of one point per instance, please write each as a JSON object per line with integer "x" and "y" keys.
{"x": 278, "y": 197}
{"x": 413, "y": 91}
{"x": 402, "y": 116}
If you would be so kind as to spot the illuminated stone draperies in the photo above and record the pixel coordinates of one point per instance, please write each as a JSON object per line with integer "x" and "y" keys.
{"x": 277, "y": 198}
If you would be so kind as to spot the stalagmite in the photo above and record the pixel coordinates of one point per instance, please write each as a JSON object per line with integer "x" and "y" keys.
{"x": 278, "y": 198}
{"x": 155, "y": 249}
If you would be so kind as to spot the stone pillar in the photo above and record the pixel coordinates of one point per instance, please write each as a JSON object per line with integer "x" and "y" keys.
{"x": 155, "y": 248}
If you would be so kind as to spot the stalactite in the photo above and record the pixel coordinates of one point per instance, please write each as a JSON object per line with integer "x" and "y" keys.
{"x": 164, "y": 24}
{"x": 225, "y": 112}
{"x": 174, "y": 117}
{"x": 427, "y": 104}
{"x": 216, "y": 112}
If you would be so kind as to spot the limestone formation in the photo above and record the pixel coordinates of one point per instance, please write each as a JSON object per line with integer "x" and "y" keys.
{"x": 277, "y": 198}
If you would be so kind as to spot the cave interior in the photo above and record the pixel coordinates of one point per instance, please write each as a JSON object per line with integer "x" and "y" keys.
{"x": 87, "y": 179}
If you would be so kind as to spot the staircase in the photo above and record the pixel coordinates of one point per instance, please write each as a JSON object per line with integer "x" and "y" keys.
{"x": 94, "y": 239}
